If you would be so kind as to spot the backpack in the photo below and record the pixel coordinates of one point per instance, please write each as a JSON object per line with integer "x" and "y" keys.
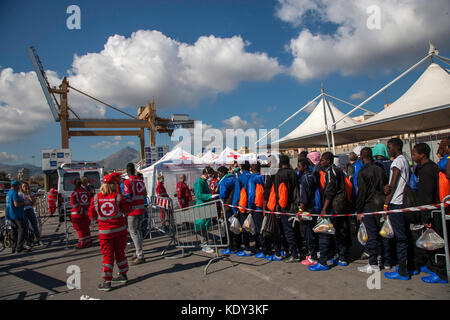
{"x": 444, "y": 186}
{"x": 348, "y": 188}
{"x": 318, "y": 201}
{"x": 259, "y": 195}
{"x": 279, "y": 197}
{"x": 410, "y": 198}
{"x": 340, "y": 200}
{"x": 243, "y": 200}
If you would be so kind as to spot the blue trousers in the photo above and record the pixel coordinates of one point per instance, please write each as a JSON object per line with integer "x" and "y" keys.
{"x": 403, "y": 239}
{"x": 289, "y": 235}
{"x": 31, "y": 220}
{"x": 311, "y": 238}
{"x": 341, "y": 241}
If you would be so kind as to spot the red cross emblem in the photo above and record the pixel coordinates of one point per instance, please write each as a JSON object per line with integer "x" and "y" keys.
{"x": 84, "y": 198}
{"x": 139, "y": 187}
{"x": 107, "y": 208}
{"x": 232, "y": 155}
{"x": 184, "y": 158}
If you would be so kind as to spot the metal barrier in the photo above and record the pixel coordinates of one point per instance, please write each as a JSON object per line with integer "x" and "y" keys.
{"x": 445, "y": 218}
{"x": 198, "y": 227}
{"x": 160, "y": 214}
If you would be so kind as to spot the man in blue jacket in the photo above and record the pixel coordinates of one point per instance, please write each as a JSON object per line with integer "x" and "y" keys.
{"x": 255, "y": 180}
{"x": 227, "y": 182}
{"x": 15, "y": 214}
{"x": 242, "y": 182}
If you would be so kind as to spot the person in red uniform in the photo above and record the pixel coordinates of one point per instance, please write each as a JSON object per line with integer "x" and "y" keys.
{"x": 79, "y": 201}
{"x": 116, "y": 176}
{"x": 52, "y": 200}
{"x": 135, "y": 192}
{"x": 161, "y": 192}
{"x": 183, "y": 192}
{"x": 109, "y": 207}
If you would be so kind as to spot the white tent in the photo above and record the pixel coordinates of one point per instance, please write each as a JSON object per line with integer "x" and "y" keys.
{"x": 228, "y": 156}
{"x": 172, "y": 165}
{"x": 312, "y": 131}
{"x": 208, "y": 157}
{"x": 423, "y": 107}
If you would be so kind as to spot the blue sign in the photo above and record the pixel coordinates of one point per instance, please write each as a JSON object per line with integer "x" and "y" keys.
{"x": 60, "y": 155}
{"x": 53, "y": 164}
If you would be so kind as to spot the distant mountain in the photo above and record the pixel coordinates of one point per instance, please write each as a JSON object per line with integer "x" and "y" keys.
{"x": 120, "y": 159}
{"x": 13, "y": 169}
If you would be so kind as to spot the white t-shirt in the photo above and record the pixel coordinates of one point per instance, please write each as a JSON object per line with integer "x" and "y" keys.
{"x": 401, "y": 164}
{"x": 27, "y": 200}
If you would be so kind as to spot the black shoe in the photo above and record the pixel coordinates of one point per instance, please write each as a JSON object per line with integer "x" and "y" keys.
{"x": 13, "y": 250}
{"x": 105, "y": 286}
{"x": 121, "y": 279}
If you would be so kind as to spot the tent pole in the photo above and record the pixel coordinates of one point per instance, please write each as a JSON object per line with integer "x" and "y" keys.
{"x": 410, "y": 148}
{"x": 384, "y": 88}
{"x": 325, "y": 101}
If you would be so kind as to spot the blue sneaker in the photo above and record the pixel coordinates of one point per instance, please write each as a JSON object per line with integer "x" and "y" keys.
{"x": 260, "y": 255}
{"x": 241, "y": 253}
{"x": 413, "y": 272}
{"x": 342, "y": 263}
{"x": 283, "y": 254}
{"x": 396, "y": 275}
{"x": 433, "y": 278}
{"x": 276, "y": 258}
{"x": 424, "y": 269}
{"x": 318, "y": 267}
{"x": 269, "y": 258}
{"x": 227, "y": 251}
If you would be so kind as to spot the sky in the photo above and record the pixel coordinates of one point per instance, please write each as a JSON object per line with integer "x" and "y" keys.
{"x": 229, "y": 63}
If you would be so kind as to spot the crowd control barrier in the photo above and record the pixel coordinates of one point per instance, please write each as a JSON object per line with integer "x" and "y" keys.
{"x": 160, "y": 212}
{"x": 198, "y": 227}
{"x": 445, "y": 218}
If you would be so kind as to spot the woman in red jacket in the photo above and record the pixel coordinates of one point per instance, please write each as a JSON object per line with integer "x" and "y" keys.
{"x": 79, "y": 201}
{"x": 109, "y": 208}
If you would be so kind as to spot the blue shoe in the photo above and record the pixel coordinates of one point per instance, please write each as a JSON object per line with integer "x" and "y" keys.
{"x": 283, "y": 254}
{"x": 413, "y": 272}
{"x": 342, "y": 263}
{"x": 424, "y": 269}
{"x": 227, "y": 251}
{"x": 269, "y": 258}
{"x": 260, "y": 255}
{"x": 433, "y": 278}
{"x": 318, "y": 267}
{"x": 396, "y": 275}
{"x": 241, "y": 254}
{"x": 275, "y": 258}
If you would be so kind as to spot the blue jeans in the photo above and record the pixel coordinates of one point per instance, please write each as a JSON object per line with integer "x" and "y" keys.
{"x": 31, "y": 220}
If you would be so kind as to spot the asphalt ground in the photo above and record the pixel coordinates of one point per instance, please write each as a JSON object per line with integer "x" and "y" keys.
{"x": 42, "y": 274}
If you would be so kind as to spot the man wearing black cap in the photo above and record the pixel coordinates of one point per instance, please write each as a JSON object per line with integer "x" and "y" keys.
{"x": 15, "y": 214}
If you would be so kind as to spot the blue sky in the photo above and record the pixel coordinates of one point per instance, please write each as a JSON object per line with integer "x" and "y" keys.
{"x": 263, "y": 95}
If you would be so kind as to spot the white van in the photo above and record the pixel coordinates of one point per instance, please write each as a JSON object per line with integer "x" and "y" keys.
{"x": 69, "y": 172}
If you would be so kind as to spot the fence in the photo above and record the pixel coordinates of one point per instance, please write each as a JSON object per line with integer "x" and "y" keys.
{"x": 199, "y": 227}
{"x": 160, "y": 212}
{"x": 445, "y": 218}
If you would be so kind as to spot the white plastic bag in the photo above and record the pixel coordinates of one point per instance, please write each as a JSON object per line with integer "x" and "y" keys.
{"x": 386, "y": 230}
{"x": 324, "y": 226}
{"x": 249, "y": 225}
{"x": 305, "y": 216}
{"x": 430, "y": 240}
{"x": 223, "y": 232}
{"x": 235, "y": 226}
{"x": 263, "y": 225}
{"x": 362, "y": 234}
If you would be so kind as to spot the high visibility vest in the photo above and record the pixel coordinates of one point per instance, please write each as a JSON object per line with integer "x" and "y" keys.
{"x": 79, "y": 201}
{"x": 283, "y": 197}
{"x": 444, "y": 186}
{"x": 111, "y": 221}
{"x": 259, "y": 195}
{"x": 52, "y": 197}
{"x": 138, "y": 196}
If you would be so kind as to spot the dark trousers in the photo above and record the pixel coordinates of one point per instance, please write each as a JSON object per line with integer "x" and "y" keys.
{"x": 245, "y": 235}
{"x": 30, "y": 220}
{"x": 403, "y": 240}
{"x": 18, "y": 234}
{"x": 259, "y": 240}
{"x": 289, "y": 235}
{"x": 342, "y": 237}
{"x": 325, "y": 241}
{"x": 234, "y": 238}
{"x": 311, "y": 238}
{"x": 371, "y": 246}
{"x": 433, "y": 263}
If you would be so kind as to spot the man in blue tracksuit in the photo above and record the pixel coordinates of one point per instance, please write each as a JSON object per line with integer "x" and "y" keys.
{"x": 242, "y": 182}
{"x": 256, "y": 179}
{"x": 227, "y": 182}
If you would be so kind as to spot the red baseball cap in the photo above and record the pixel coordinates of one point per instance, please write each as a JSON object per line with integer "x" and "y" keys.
{"x": 109, "y": 179}
{"x": 116, "y": 176}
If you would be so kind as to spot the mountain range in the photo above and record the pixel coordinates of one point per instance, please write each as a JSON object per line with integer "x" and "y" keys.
{"x": 117, "y": 160}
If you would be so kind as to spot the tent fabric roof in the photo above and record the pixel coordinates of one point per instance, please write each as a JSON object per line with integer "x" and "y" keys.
{"x": 315, "y": 124}
{"x": 228, "y": 156}
{"x": 208, "y": 157}
{"x": 425, "y": 106}
{"x": 178, "y": 155}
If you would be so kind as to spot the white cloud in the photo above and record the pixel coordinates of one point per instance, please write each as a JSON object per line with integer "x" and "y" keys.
{"x": 118, "y": 138}
{"x": 406, "y": 28}
{"x": 360, "y": 95}
{"x": 131, "y": 143}
{"x": 271, "y": 109}
{"x": 105, "y": 144}
{"x": 8, "y": 157}
{"x": 235, "y": 122}
{"x": 131, "y": 72}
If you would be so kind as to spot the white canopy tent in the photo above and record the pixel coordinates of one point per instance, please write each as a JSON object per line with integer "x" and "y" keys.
{"x": 312, "y": 132}
{"x": 228, "y": 156}
{"x": 208, "y": 157}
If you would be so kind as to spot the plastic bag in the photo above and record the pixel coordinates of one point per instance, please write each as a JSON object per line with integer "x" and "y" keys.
{"x": 362, "y": 234}
{"x": 386, "y": 230}
{"x": 324, "y": 226}
{"x": 222, "y": 231}
{"x": 249, "y": 225}
{"x": 430, "y": 240}
{"x": 305, "y": 216}
{"x": 235, "y": 226}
